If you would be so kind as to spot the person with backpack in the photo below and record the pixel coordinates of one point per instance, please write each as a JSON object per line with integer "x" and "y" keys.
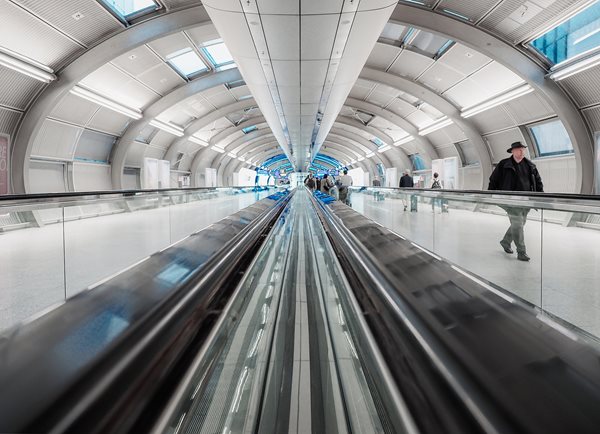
{"x": 310, "y": 183}
{"x": 436, "y": 184}
{"x": 326, "y": 184}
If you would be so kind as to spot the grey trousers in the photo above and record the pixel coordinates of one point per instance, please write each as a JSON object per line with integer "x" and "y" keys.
{"x": 518, "y": 218}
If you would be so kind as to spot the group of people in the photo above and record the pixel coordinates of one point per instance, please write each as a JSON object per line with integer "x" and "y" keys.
{"x": 329, "y": 185}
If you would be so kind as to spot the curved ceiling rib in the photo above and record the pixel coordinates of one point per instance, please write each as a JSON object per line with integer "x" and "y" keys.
{"x": 223, "y": 135}
{"x": 179, "y": 94}
{"x": 429, "y": 151}
{"x": 348, "y": 121}
{"x": 440, "y": 103}
{"x": 84, "y": 65}
{"x": 521, "y": 64}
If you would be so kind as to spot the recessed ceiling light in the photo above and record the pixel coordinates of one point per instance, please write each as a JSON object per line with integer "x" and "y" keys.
{"x": 467, "y": 54}
{"x": 77, "y": 16}
{"x": 132, "y": 57}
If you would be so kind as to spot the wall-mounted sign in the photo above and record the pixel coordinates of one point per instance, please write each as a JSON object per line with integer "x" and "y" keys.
{"x": 4, "y": 148}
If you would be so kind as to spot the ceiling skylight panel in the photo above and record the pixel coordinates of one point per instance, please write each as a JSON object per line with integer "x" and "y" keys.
{"x": 187, "y": 64}
{"x": 218, "y": 54}
{"x": 577, "y": 35}
{"x": 127, "y": 8}
{"x": 430, "y": 44}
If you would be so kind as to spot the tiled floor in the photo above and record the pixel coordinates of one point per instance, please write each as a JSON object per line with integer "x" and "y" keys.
{"x": 563, "y": 276}
{"x": 38, "y": 270}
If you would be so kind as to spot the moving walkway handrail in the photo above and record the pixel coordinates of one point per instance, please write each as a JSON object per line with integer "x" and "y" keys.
{"x": 372, "y": 277}
{"x": 15, "y": 199}
{"x": 121, "y": 388}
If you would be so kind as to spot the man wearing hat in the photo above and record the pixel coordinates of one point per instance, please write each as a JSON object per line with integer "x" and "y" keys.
{"x": 516, "y": 173}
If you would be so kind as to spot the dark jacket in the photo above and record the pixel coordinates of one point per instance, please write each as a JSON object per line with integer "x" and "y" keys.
{"x": 505, "y": 176}
{"x": 406, "y": 181}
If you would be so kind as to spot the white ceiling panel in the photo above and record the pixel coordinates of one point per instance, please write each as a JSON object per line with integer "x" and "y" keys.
{"x": 162, "y": 79}
{"x": 439, "y": 138}
{"x": 467, "y": 93}
{"x": 169, "y": 44}
{"x": 382, "y": 56}
{"x": 283, "y": 38}
{"x": 440, "y": 77}
{"x": 221, "y": 99}
{"x": 410, "y": 64}
{"x": 137, "y": 61}
{"x": 313, "y": 72}
{"x": 162, "y": 139}
{"x": 289, "y": 94}
{"x": 56, "y": 140}
{"x": 492, "y": 120}
{"x": 496, "y": 78}
{"x": 241, "y": 92}
{"x": 108, "y": 121}
{"x": 380, "y": 99}
{"x": 318, "y": 34}
{"x": 95, "y": 22}
{"x": 401, "y": 107}
{"x": 464, "y": 59}
{"x": 287, "y": 73}
{"x": 74, "y": 110}
{"x": 419, "y": 119}
{"x": 94, "y": 146}
{"x": 18, "y": 90}
{"x": 359, "y": 92}
{"x": 135, "y": 154}
{"x": 311, "y": 94}
{"x": 431, "y": 111}
{"x": 201, "y": 34}
{"x": 50, "y": 48}
{"x": 116, "y": 85}
{"x": 528, "y": 108}
{"x": 152, "y": 152}
{"x": 316, "y": 6}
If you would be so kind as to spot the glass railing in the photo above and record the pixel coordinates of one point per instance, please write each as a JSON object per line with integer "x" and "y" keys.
{"x": 559, "y": 235}
{"x": 54, "y": 246}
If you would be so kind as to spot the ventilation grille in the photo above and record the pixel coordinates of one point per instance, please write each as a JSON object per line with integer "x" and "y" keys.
{"x": 474, "y": 10}
{"x": 500, "y": 20}
{"x": 50, "y": 48}
{"x": 95, "y": 23}
{"x": 17, "y": 89}
{"x": 528, "y": 108}
{"x": 593, "y": 117}
{"x": 174, "y": 4}
{"x": 584, "y": 87}
{"x": 492, "y": 120}
{"x": 9, "y": 121}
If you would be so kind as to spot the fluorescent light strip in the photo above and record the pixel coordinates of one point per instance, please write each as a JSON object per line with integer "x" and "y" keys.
{"x": 231, "y": 154}
{"x": 219, "y": 150}
{"x": 440, "y": 123}
{"x": 168, "y": 127}
{"x": 384, "y": 148}
{"x": 241, "y": 159}
{"x": 560, "y": 73}
{"x": 105, "y": 102}
{"x": 404, "y": 140}
{"x": 370, "y": 154}
{"x": 497, "y": 100}
{"x": 26, "y": 68}
{"x": 360, "y": 158}
{"x": 197, "y": 140}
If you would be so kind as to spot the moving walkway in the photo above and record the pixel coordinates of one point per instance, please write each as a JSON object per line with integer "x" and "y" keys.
{"x": 293, "y": 315}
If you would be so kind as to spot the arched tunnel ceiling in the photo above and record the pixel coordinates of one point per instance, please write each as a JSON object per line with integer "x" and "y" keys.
{"x": 402, "y": 100}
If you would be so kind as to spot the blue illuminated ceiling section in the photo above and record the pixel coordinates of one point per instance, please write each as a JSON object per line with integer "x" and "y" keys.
{"x": 279, "y": 158}
{"x": 325, "y": 164}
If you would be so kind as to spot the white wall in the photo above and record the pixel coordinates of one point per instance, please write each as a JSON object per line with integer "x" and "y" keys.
{"x": 90, "y": 177}
{"x": 558, "y": 174}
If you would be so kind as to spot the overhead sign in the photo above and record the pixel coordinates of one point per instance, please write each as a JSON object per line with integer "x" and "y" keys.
{"x": 4, "y": 147}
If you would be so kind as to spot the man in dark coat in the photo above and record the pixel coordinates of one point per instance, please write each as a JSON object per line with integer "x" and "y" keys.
{"x": 406, "y": 181}
{"x": 516, "y": 173}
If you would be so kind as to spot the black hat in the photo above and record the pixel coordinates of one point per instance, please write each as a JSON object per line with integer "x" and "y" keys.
{"x": 515, "y": 146}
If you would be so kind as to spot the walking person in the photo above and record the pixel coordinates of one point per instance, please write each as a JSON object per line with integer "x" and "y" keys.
{"x": 516, "y": 173}
{"x": 310, "y": 183}
{"x": 326, "y": 184}
{"x": 406, "y": 181}
{"x": 436, "y": 184}
{"x": 344, "y": 182}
